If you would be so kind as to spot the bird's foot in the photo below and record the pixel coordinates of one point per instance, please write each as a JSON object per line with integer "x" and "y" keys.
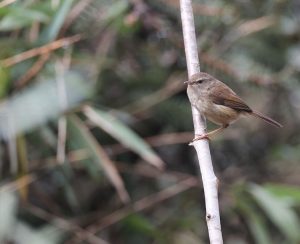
{"x": 199, "y": 137}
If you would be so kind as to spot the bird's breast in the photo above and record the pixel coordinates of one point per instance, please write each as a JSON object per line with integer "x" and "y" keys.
{"x": 218, "y": 114}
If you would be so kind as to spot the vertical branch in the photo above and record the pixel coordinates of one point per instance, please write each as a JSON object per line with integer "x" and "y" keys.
{"x": 12, "y": 144}
{"x": 210, "y": 181}
{"x": 63, "y": 102}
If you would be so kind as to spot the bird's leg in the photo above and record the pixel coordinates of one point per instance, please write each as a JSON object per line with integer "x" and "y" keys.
{"x": 209, "y": 134}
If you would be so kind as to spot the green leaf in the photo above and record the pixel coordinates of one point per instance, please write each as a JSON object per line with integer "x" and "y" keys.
{"x": 8, "y": 211}
{"x": 123, "y": 134}
{"x": 279, "y": 212}
{"x": 52, "y": 30}
{"x": 42, "y": 98}
{"x": 18, "y": 18}
{"x": 137, "y": 223}
{"x": 255, "y": 221}
{"x": 290, "y": 193}
{"x": 4, "y": 81}
{"x": 100, "y": 156}
{"x": 75, "y": 142}
{"x": 26, "y": 234}
{"x": 116, "y": 9}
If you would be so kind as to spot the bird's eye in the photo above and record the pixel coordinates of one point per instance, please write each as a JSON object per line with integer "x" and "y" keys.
{"x": 200, "y": 81}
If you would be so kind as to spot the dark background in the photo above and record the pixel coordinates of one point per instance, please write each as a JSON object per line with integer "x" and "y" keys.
{"x": 114, "y": 90}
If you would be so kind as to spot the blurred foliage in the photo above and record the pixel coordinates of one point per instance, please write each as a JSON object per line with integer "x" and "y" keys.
{"x": 93, "y": 108}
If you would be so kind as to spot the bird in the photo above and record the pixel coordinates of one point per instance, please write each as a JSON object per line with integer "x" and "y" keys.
{"x": 219, "y": 103}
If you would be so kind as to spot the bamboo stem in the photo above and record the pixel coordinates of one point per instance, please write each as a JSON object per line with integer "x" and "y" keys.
{"x": 210, "y": 181}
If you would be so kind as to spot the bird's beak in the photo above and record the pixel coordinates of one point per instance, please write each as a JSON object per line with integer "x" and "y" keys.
{"x": 189, "y": 83}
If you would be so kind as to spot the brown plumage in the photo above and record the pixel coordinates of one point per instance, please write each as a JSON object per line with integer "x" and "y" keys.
{"x": 219, "y": 103}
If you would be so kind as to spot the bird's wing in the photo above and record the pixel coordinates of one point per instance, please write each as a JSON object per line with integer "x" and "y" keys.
{"x": 223, "y": 95}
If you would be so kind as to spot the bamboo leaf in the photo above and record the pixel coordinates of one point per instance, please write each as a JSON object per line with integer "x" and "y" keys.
{"x": 289, "y": 193}
{"x": 8, "y": 212}
{"x": 43, "y": 102}
{"x": 54, "y": 27}
{"x": 21, "y": 17}
{"x": 279, "y": 211}
{"x": 26, "y": 234}
{"x": 4, "y": 78}
{"x": 256, "y": 222}
{"x": 100, "y": 156}
{"x": 124, "y": 134}
{"x": 23, "y": 161}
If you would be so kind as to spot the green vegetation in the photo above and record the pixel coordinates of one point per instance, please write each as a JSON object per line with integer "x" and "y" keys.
{"x": 95, "y": 122}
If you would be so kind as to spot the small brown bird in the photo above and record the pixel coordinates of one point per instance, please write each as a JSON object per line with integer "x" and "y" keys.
{"x": 218, "y": 103}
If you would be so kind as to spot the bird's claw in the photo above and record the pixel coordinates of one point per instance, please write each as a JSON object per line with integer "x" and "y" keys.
{"x": 197, "y": 138}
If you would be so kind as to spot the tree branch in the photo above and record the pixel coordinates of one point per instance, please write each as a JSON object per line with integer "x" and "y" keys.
{"x": 210, "y": 181}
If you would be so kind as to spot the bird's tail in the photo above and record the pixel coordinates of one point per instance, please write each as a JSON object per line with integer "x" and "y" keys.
{"x": 266, "y": 118}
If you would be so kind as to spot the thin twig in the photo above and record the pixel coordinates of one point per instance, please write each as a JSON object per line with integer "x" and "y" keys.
{"x": 247, "y": 28}
{"x": 65, "y": 225}
{"x": 156, "y": 141}
{"x": 6, "y": 2}
{"x": 200, "y": 8}
{"x": 93, "y": 116}
{"x": 104, "y": 161}
{"x": 60, "y": 68}
{"x": 150, "y": 172}
{"x": 74, "y": 157}
{"x": 83, "y": 154}
{"x": 210, "y": 181}
{"x": 74, "y": 13}
{"x": 12, "y": 145}
{"x": 33, "y": 71}
{"x": 18, "y": 184}
{"x": 115, "y": 149}
{"x": 227, "y": 68}
{"x": 40, "y": 50}
{"x": 34, "y": 32}
{"x": 173, "y": 86}
{"x": 142, "y": 204}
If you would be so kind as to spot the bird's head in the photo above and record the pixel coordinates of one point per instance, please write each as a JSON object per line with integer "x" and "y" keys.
{"x": 198, "y": 79}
